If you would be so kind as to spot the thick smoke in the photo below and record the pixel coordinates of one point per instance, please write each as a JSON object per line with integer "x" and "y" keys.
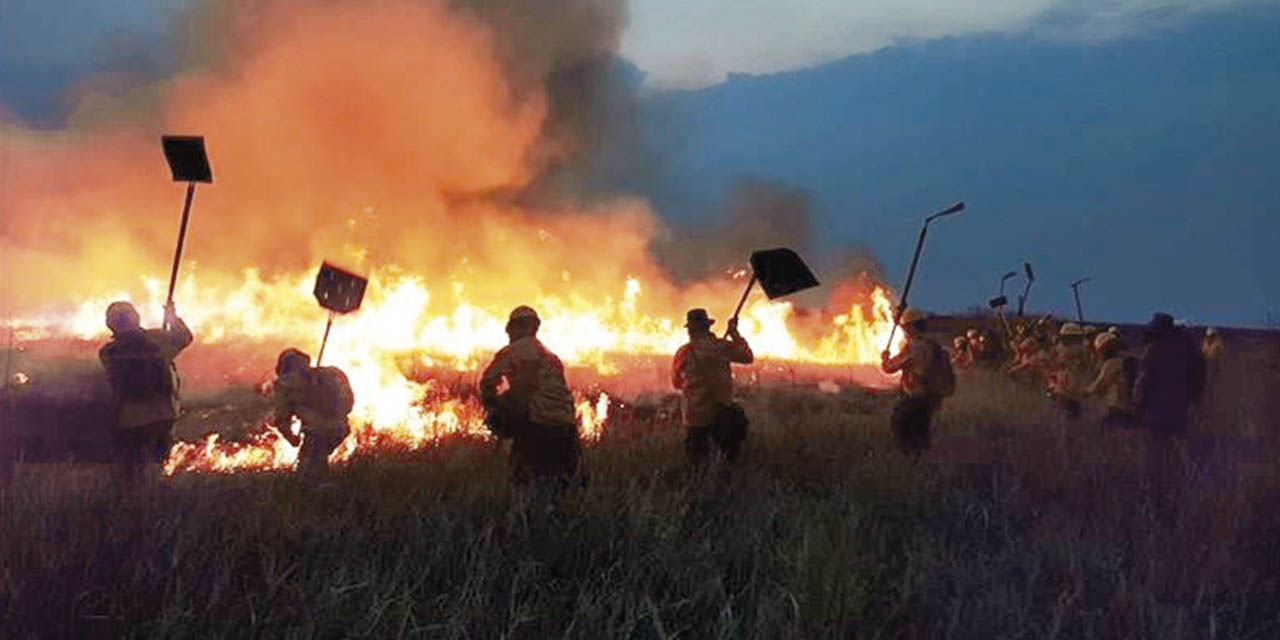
{"x": 489, "y": 142}
{"x": 762, "y": 214}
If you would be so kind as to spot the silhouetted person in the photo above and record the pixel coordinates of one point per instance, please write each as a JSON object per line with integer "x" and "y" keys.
{"x": 700, "y": 372}
{"x": 321, "y": 399}
{"x": 1170, "y": 378}
{"x": 927, "y": 378}
{"x": 536, "y": 411}
{"x": 144, "y": 385}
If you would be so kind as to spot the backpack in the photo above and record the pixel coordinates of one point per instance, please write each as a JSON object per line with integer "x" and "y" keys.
{"x": 939, "y": 378}
{"x": 136, "y": 369}
{"x": 330, "y": 392}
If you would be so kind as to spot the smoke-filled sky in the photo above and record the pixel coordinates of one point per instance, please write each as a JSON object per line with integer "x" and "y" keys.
{"x": 1121, "y": 139}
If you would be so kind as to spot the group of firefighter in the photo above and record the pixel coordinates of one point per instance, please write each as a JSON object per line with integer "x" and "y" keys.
{"x": 527, "y": 399}
{"x": 1151, "y": 383}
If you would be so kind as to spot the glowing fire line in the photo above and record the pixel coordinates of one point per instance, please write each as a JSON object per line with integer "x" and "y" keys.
{"x": 401, "y": 318}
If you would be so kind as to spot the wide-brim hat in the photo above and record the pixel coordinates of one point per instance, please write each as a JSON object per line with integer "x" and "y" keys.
{"x": 698, "y": 318}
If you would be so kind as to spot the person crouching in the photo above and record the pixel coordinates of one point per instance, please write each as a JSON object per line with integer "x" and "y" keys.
{"x": 321, "y": 399}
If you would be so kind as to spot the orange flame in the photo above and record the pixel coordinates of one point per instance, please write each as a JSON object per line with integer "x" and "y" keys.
{"x": 387, "y": 135}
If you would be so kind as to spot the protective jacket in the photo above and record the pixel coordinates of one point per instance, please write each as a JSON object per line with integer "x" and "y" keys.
{"x": 700, "y": 371}
{"x": 914, "y": 361}
{"x": 320, "y": 397}
{"x": 536, "y": 382}
{"x": 144, "y": 380}
{"x": 1112, "y": 384}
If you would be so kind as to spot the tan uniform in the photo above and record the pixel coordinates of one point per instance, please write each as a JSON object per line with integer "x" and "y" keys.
{"x": 913, "y": 361}
{"x": 538, "y": 412}
{"x": 136, "y": 412}
{"x": 1113, "y": 385}
{"x": 700, "y": 371}
{"x": 1068, "y": 371}
{"x": 536, "y": 379}
{"x": 145, "y": 385}
{"x": 321, "y": 398}
{"x": 1213, "y": 348}
{"x": 913, "y": 414}
{"x": 321, "y": 409}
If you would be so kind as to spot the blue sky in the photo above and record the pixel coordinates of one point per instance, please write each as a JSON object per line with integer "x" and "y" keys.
{"x": 1127, "y": 140}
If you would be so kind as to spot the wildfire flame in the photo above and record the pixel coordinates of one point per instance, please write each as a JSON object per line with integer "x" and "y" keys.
{"x": 389, "y": 136}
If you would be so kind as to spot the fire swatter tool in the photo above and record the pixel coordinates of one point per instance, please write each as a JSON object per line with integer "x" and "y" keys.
{"x": 1075, "y": 291}
{"x": 188, "y": 163}
{"x": 915, "y": 259}
{"x": 780, "y": 272}
{"x": 339, "y": 291}
{"x": 1026, "y": 292}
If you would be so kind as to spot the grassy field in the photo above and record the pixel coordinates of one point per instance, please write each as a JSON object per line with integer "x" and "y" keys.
{"x": 1017, "y": 525}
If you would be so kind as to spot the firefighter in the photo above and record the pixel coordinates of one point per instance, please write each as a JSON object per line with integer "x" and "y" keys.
{"x": 144, "y": 385}
{"x": 1068, "y": 365}
{"x": 1090, "y": 351}
{"x": 927, "y": 378}
{"x": 701, "y": 373}
{"x": 961, "y": 355}
{"x": 1213, "y": 348}
{"x": 321, "y": 399}
{"x": 1114, "y": 382}
{"x": 536, "y": 411}
{"x": 1170, "y": 378}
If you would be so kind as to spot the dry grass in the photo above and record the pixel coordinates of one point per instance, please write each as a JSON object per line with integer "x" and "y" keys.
{"x": 1018, "y": 525}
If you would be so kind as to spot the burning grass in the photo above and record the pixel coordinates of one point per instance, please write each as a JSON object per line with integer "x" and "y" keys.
{"x": 1019, "y": 525}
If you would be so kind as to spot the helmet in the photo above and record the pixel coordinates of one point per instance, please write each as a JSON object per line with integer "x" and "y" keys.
{"x": 1070, "y": 329}
{"x": 1089, "y": 329}
{"x": 971, "y": 334}
{"x": 910, "y": 315}
{"x": 291, "y": 358}
{"x": 1211, "y": 331}
{"x": 121, "y": 316}
{"x": 1104, "y": 339}
{"x": 523, "y": 311}
{"x": 1113, "y": 330}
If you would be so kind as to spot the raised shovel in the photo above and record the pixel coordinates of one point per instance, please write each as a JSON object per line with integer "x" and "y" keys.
{"x": 915, "y": 259}
{"x": 1026, "y": 291}
{"x": 339, "y": 291}
{"x": 780, "y": 272}
{"x": 190, "y": 164}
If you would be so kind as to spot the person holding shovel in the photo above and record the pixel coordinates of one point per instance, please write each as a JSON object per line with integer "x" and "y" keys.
{"x": 321, "y": 398}
{"x": 701, "y": 373}
{"x": 144, "y": 385}
{"x": 927, "y": 378}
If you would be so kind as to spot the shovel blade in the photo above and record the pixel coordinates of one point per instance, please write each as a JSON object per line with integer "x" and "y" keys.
{"x": 781, "y": 272}
{"x": 339, "y": 290}
{"x": 187, "y": 159}
{"x": 997, "y": 302}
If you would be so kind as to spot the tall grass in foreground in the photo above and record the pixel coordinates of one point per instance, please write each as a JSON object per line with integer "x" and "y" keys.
{"x": 1019, "y": 525}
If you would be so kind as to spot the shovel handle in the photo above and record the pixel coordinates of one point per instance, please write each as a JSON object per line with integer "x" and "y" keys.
{"x": 182, "y": 238}
{"x": 743, "y": 299}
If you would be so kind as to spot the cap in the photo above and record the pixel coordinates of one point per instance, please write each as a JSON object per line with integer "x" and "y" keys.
{"x": 1070, "y": 329}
